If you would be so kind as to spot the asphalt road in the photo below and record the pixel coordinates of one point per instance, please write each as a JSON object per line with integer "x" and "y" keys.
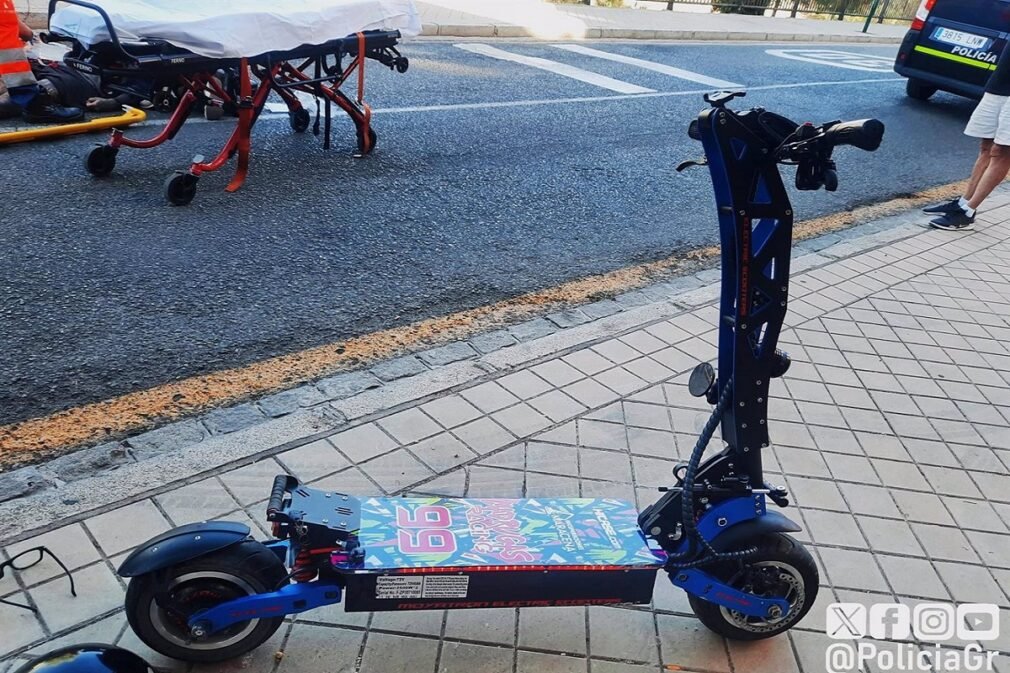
{"x": 104, "y": 289}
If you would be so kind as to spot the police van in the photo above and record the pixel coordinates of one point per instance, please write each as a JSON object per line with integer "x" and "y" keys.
{"x": 953, "y": 45}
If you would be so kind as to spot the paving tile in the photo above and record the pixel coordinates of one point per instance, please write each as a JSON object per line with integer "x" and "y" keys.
{"x": 802, "y": 462}
{"x": 604, "y": 465}
{"x": 646, "y": 442}
{"x": 69, "y": 543}
{"x": 602, "y": 435}
{"x": 521, "y": 420}
{"x": 653, "y": 472}
{"x": 552, "y": 458}
{"x": 126, "y": 527}
{"x": 20, "y": 627}
{"x": 98, "y": 591}
{"x": 466, "y": 658}
{"x": 995, "y": 487}
{"x": 836, "y": 440}
{"x": 409, "y": 426}
{"x": 484, "y": 435}
{"x": 313, "y": 461}
{"x": 889, "y": 535}
{"x": 975, "y": 514}
{"x": 993, "y": 548}
{"x": 199, "y": 501}
{"x": 587, "y": 361}
{"x": 851, "y": 468}
{"x": 616, "y": 351}
{"x": 927, "y": 452}
{"x": 489, "y": 397}
{"x": 945, "y": 544}
{"x": 442, "y": 452}
{"x": 913, "y": 577}
{"x": 816, "y": 493}
{"x": 557, "y": 372}
{"x": 774, "y": 655}
{"x": 883, "y": 446}
{"x": 590, "y": 393}
{"x": 922, "y": 507}
{"x": 313, "y": 649}
{"x": 490, "y": 626}
{"x": 647, "y": 416}
{"x": 852, "y": 569}
{"x": 395, "y": 471}
{"x": 523, "y": 384}
{"x": 897, "y": 474}
{"x": 540, "y": 485}
{"x": 619, "y": 633}
{"x": 872, "y": 500}
{"x": 557, "y": 406}
{"x": 950, "y": 482}
{"x": 384, "y": 653}
{"x": 649, "y": 369}
{"x": 363, "y": 442}
{"x": 549, "y": 663}
{"x": 410, "y": 622}
{"x": 620, "y": 380}
{"x": 970, "y": 584}
{"x": 492, "y": 482}
{"x": 262, "y": 658}
{"x": 834, "y": 528}
{"x": 686, "y": 643}
{"x": 251, "y": 484}
{"x": 351, "y": 481}
{"x": 451, "y": 411}
{"x": 556, "y": 629}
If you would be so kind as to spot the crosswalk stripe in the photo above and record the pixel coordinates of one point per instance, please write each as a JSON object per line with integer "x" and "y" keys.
{"x": 557, "y": 68}
{"x": 651, "y": 65}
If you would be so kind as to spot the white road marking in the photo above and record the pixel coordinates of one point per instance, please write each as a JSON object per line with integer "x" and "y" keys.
{"x": 267, "y": 115}
{"x": 837, "y": 59}
{"x": 651, "y": 65}
{"x": 308, "y": 101}
{"x": 557, "y": 68}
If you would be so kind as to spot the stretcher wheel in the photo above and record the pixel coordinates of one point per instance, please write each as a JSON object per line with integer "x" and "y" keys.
{"x": 101, "y": 160}
{"x": 361, "y": 140}
{"x": 180, "y": 189}
{"x": 299, "y": 120}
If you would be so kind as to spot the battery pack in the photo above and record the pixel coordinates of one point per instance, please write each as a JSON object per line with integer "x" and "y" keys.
{"x": 434, "y": 553}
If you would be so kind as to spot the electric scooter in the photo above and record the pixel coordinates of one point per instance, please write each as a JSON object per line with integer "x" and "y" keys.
{"x": 208, "y": 592}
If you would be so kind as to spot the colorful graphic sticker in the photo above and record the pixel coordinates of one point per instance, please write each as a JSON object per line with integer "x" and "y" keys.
{"x": 436, "y": 532}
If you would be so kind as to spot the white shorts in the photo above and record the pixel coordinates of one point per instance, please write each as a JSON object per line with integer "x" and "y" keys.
{"x": 991, "y": 119}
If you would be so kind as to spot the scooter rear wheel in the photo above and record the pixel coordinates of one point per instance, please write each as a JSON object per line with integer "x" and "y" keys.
{"x": 243, "y": 569}
{"x": 780, "y": 568}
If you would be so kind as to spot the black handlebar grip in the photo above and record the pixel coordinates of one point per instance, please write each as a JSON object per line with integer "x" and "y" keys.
{"x": 865, "y": 134}
{"x": 276, "y": 502}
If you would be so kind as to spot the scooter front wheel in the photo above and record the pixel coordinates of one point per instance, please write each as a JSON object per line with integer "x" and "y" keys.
{"x": 158, "y": 604}
{"x": 780, "y": 568}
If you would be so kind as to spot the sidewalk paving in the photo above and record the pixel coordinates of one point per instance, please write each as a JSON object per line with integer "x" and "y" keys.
{"x": 535, "y": 18}
{"x": 890, "y": 431}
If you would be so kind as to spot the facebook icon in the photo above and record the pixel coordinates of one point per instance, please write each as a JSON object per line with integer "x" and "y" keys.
{"x": 890, "y": 621}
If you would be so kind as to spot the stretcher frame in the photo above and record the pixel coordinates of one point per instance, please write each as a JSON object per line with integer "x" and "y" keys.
{"x": 128, "y": 117}
{"x": 318, "y": 70}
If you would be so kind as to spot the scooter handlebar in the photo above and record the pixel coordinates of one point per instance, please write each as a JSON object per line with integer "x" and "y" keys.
{"x": 865, "y": 134}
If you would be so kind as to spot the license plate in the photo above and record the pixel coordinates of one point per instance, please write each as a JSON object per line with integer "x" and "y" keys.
{"x": 960, "y": 38}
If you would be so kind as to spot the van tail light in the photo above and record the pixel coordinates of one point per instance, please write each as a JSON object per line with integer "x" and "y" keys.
{"x": 922, "y": 14}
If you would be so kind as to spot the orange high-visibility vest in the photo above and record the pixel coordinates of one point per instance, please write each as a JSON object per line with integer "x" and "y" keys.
{"x": 14, "y": 67}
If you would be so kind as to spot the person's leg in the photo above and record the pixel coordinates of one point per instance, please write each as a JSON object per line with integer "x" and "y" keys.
{"x": 995, "y": 173}
{"x": 981, "y": 164}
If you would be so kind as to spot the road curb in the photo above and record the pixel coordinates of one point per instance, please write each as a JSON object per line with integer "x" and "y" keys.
{"x": 39, "y": 21}
{"x": 187, "y": 451}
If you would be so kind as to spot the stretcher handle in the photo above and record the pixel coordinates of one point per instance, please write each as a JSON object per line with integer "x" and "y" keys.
{"x": 113, "y": 36}
{"x": 282, "y": 484}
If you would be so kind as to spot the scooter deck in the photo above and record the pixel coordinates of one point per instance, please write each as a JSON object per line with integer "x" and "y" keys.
{"x": 436, "y": 553}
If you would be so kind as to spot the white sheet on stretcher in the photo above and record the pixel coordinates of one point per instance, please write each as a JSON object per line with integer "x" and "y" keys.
{"x": 236, "y": 28}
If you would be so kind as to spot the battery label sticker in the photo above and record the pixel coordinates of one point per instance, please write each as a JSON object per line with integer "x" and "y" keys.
{"x": 446, "y": 586}
{"x": 392, "y": 587}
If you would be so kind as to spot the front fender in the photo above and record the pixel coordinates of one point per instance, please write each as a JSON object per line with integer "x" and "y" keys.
{"x": 182, "y": 544}
{"x": 739, "y": 535}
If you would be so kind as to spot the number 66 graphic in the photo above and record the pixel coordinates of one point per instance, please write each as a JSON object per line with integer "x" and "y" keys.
{"x": 426, "y": 530}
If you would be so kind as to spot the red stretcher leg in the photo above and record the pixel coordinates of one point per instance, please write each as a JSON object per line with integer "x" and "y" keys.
{"x": 243, "y": 133}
